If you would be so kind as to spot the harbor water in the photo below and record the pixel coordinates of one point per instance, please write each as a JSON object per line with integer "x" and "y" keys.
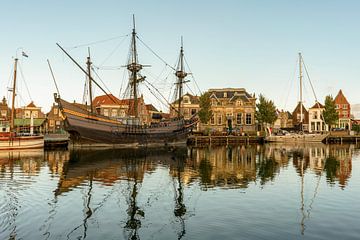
{"x": 230, "y": 192}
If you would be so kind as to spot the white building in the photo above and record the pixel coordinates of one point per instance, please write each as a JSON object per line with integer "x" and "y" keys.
{"x": 316, "y": 122}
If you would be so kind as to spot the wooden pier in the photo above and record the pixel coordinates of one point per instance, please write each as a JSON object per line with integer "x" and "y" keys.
{"x": 200, "y": 141}
{"x": 56, "y": 141}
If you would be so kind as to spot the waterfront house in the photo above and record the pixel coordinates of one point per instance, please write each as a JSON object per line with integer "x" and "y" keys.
{"x": 54, "y": 120}
{"x": 297, "y": 118}
{"x": 190, "y": 105}
{"x": 343, "y": 108}
{"x": 233, "y": 109}
{"x": 29, "y": 118}
{"x": 284, "y": 120}
{"x": 4, "y": 110}
{"x": 111, "y": 106}
{"x": 316, "y": 122}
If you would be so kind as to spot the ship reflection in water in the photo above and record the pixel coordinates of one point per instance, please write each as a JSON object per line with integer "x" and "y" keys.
{"x": 239, "y": 192}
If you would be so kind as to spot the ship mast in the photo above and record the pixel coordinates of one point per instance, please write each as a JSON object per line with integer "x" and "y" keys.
{"x": 301, "y": 102}
{"x": 12, "y": 120}
{"x": 88, "y": 63}
{"x": 180, "y": 74}
{"x": 134, "y": 67}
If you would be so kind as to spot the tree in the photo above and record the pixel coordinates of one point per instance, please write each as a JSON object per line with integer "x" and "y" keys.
{"x": 205, "y": 112}
{"x": 265, "y": 111}
{"x": 330, "y": 115}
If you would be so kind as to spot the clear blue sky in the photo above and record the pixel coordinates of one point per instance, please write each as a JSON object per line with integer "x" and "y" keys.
{"x": 251, "y": 44}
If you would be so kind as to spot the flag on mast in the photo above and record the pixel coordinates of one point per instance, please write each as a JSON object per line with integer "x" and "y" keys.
{"x": 24, "y": 54}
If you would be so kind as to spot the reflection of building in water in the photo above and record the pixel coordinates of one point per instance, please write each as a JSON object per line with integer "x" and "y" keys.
{"x": 334, "y": 160}
{"x": 56, "y": 160}
{"x": 29, "y": 161}
{"x": 226, "y": 166}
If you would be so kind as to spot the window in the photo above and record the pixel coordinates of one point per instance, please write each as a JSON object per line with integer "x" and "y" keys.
{"x": 55, "y": 111}
{"x": 114, "y": 112}
{"x": 219, "y": 120}
{"x": 57, "y": 123}
{"x": 212, "y": 120}
{"x": 239, "y": 103}
{"x": 345, "y": 114}
{"x": 186, "y": 112}
{"x": 27, "y": 114}
{"x": 315, "y": 115}
{"x": 239, "y": 118}
{"x": 248, "y": 119}
{"x": 186, "y": 100}
{"x": 193, "y": 111}
{"x": 213, "y": 102}
{"x": 51, "y": 123}
{"x": 345, "y": 106}
{"x": 106, "y": 112}
{"x": 122, "y": 113}
{"x": 336, "y": 106}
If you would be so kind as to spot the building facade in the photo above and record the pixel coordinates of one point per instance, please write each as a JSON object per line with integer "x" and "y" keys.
{"x": 4, "y": 110}
{"x": 111, "y": 106}
{"x": 30, "y": 119}
{"x": 284, "y": 120}
{"x": 316, "y": 122}
{"x": 343, "y": 109}
{"x": 190, "y": 105}
{"x": 55, "y": 120}
{"x": 233, "y": 110}
{"x": 297, "y": 118}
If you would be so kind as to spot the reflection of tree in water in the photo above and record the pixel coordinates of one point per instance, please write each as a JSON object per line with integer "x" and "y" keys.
{"x": 331, "y": 168}
{"x": 266, "y": 170}
{"x": 205, "y": 170}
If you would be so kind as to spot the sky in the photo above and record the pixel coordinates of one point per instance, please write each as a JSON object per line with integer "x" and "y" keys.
{"x": 250, "y": 44}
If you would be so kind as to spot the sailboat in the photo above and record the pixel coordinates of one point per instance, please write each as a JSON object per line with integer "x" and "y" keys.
{"x": 88, "y": 127}
{"x": 299, "y": 136}
{"x": 10, "y": 138}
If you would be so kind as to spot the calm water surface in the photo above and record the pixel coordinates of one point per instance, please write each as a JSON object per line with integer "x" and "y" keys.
{"x": 239, "y": 192}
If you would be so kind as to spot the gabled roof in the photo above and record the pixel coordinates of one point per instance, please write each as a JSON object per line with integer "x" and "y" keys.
{"x": 106, "y": 100}
{"x": 340, "y": 98}
{"x": 193, "y": 99}
{"x": 32, "y": 105}
{"x": 318, "y": 105}
{"x": 230, "y": 92}
{"x": 151, "y": 107}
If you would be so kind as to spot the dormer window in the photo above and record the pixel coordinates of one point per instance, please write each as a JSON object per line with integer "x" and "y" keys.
{"x": 238, "y": 102}
{"x": 186, "y": 100}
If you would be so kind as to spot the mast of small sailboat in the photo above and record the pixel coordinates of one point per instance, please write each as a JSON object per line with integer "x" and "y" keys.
{"x": 88, "y": 63}
{"x": 12, "y": 119}
{"x": 134, "y": 67}
{"x": 180, "y": 74}
{"x": 301, "y": 84}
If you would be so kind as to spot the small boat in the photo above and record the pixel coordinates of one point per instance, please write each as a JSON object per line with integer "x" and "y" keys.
{"x": 10, "y": 137}
{"x": 89, "y": 128}
{"x": 299, "y": 136}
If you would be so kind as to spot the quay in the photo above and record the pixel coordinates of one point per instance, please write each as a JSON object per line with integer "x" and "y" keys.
{"x": 52, "y": 141}
{"x": 218, "y": 140}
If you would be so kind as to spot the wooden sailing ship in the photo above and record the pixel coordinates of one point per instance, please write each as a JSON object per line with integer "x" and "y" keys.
{"x": 10, "y": 137}
{"x": 88, "y": 127}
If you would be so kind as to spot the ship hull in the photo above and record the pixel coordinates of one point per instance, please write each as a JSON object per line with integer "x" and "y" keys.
{"x": 93, "y": 129}
{"x": 21, "y": 142}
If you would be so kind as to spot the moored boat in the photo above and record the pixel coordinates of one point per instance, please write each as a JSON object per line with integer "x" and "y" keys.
{"x": 10, "y": 137}
{"x": 87, "y": 126}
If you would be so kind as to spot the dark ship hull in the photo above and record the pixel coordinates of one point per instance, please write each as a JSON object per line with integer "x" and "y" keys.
{"x": 89, "y": 128}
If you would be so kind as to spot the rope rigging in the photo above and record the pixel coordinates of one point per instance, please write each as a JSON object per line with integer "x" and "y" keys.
{"x": 161, "y": 59}
{"x": 97, "y": 42}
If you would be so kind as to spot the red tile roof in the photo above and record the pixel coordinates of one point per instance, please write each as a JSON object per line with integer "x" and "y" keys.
{"x": 31, "y": 105}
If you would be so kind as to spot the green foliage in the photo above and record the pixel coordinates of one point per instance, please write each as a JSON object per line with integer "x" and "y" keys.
{"x": 356, "y": 128}
{"x": 205, "y": 112}
{"x": 265, "y": 111}
{"x": 331, "y": 167}
{"x": 330, "y": 115}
